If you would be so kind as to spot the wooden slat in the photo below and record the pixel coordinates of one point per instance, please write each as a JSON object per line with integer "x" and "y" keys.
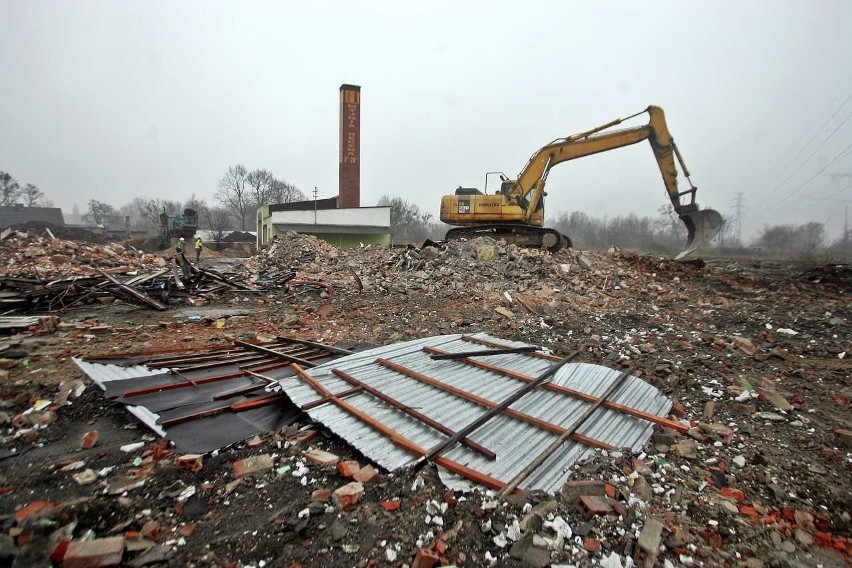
{"x": 133, "y": 293}
{"x": 665, "y": 422}
{"x": 416, "y": 414}
{"x": 490, "y": 404}
{"x": 539, "y": 354}
{"x": 396, "y": 438}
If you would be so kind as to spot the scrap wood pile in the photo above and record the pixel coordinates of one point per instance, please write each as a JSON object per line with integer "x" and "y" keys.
{"x": 41, "y": 273}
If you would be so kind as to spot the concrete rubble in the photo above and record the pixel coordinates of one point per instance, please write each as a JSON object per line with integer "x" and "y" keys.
{"x": 762, "y": 477}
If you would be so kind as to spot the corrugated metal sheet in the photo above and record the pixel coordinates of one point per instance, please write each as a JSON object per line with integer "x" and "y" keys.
{"x": 199, "y": 405}
{"x": 516, "y": 443}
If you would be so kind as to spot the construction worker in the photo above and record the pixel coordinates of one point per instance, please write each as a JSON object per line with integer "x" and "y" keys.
{"x": 198, "y": 247}
{"x": 181, "y": 246}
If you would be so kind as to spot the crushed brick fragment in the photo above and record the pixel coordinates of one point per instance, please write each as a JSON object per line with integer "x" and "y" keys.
{"x": 348, "y": 468}
{"x": 366, "y": 474}
{"x": 88, "y": 440}
{"x": 322, "y": 458}
{"x": 592, "y": 505}
{"x": 348, "y": 495}
{"x": 252, "y": 465}
{"x": 94, "y": 553}
{"x": 192, "y": 462}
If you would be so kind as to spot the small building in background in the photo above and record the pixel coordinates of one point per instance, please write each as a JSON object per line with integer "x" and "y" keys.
{"x": 14, "y": 215}
{"x": 342, "y": 227}
{"x": 340, "y": 221}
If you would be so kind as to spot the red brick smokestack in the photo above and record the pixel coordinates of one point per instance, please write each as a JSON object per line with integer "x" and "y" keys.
{"x": 349, "y": 191}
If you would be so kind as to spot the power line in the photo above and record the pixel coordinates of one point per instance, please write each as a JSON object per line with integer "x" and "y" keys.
{"x": 811, "y": 155}
{"x": 801, "y": 185}
{"x": 804, "y": 146}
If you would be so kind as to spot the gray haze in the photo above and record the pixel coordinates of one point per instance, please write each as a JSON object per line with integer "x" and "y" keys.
{"x": 114, "y": 100}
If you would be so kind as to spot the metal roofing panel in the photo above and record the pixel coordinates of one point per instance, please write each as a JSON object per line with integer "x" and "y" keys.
{"x": 515, "y": 442}
{"x": 195, "y": 401}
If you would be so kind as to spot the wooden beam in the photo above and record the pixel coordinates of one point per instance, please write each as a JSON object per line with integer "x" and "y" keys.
{"x": 494, "y": 407}
{"x": 396, "y": 438}
{"x": 551, "y": 449}
{"x": 665, "y": 422}
{"x": 416, "y": 414}
{"x": 277, "y": 354}
{"x": 483, "y": 353}
{"x": 133, "y": 293}
{"x": 539, "y": 354}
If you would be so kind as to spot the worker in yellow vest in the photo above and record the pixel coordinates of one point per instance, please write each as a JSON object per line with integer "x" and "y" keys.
{"x": 198, "y": 247}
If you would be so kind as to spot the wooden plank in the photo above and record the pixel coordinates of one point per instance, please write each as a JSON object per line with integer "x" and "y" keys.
{"x": 133, "y": 293}
{"x": 276, "y": 354}
{"x": 482, "y": 353}
{"x": 494, "y": 407}
{"x": 258, "y": 402}
{"x": 556, "y": 444}
{"x": 665, "y": 422}
{"x": 416, "y": 414}
{"x": 396, "y": 438}
{"x": 539, "y": 354}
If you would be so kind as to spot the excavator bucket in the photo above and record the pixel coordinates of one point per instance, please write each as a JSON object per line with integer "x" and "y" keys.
{"x": 702, "y": 226}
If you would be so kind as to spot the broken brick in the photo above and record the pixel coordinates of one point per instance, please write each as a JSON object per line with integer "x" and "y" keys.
{"x": 252, "y": 465}
{"x": 574, "y": 489}
{"x": 347, "y": 496}
{"x": 306, "y": 437}
{"x": 192, "y": 462}
{"x": 321, "y": 458}
{"x": 591, "y": 544}
{"x": 88, "y": 440}
{"x": 425, "y": 559}
{"x": 150, "y": 530}
{"x": 94, "y": 553}
{"x": 592, "y": 505}
{"x": 348, "y": 468}
{"x": 34, "y": 508}
{"x": 366, "y": 474}
{"x": 323, "y": 495}
{"x": 390, "y": 505}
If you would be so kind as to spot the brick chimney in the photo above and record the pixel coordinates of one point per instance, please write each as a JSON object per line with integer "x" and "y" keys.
{"x": 349, "y": 191}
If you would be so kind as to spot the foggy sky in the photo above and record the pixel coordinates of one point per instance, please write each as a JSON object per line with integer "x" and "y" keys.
{"x": 113, "y": 100}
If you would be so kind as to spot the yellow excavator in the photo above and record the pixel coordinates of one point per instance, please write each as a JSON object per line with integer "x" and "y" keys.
{"x": 516, "y": 212}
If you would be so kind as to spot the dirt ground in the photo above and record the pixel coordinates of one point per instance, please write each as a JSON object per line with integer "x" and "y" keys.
{"x": 754, "y": 353}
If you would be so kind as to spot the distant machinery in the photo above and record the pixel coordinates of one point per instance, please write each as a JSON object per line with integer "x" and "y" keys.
{"x": 172, "y": 227}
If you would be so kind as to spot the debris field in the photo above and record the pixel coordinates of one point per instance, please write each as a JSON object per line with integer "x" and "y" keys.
{"x": 275, "y": 410}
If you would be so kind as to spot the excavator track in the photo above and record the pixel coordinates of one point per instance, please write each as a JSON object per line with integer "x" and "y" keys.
{"x": 521, "y": 235}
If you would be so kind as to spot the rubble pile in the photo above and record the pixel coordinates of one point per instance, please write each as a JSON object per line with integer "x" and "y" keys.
{"x": 35, "y": 256}
{"x": 45, "y": 274}
{"x": 753, "y": 354}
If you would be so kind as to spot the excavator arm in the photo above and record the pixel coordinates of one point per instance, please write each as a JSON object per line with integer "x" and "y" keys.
{"x": 528, "y": 189}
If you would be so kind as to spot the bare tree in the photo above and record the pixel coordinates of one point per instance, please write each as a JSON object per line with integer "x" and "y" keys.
{"x": 100, "y": 214}
{"x": 283, "y": 192}
{"x": 9, "y": 189}
{"x": 260, "y": 185}
{"x": 32, "y": 195}
{"x": 408, "y": 223}
{"x": 234, "y": 194}
{"x": 145, "y": 213}
{"x": 219, "y": 221}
